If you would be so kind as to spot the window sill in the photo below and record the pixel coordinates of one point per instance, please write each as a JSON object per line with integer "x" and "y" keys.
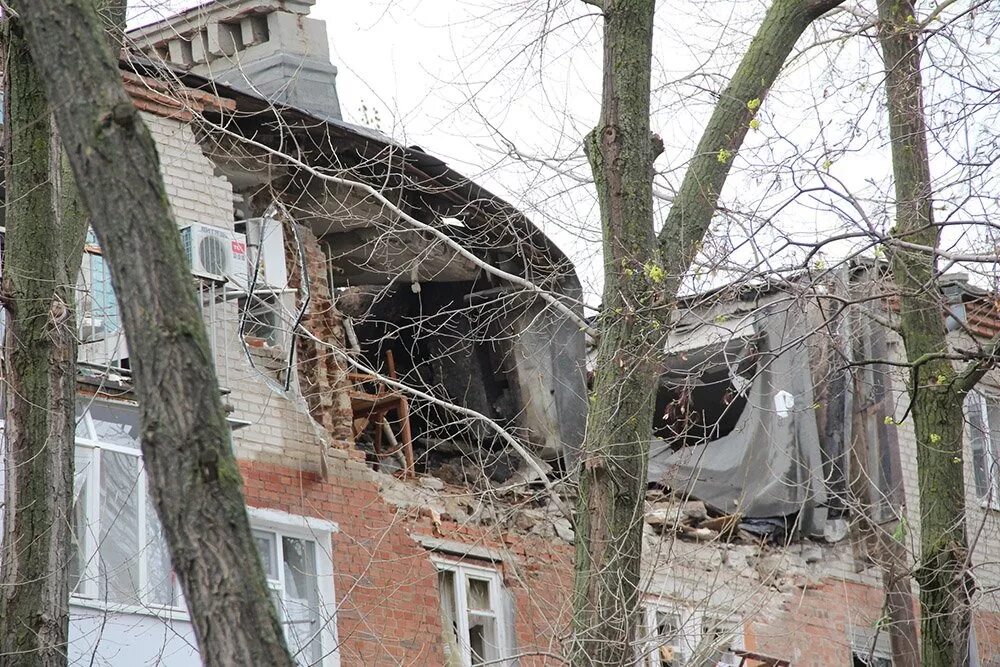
{"x": 155, "y": 611}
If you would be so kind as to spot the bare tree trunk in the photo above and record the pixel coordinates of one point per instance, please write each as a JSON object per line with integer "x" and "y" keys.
{"x": 640, "y": 286}
{"x": 46, "y": 226}
{"x": 193, "y": 477}
{"x": 946, "y": 585}
{"x": 612, "y": 477}
{"x": 40, "y": 375}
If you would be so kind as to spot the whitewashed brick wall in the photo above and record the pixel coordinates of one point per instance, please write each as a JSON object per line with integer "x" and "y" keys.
{"x": 280, "y": 430}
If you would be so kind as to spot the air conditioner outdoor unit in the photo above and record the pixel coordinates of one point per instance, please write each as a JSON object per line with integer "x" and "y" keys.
{"x": 266, "y": 252}
{"x": 216, "y": 254}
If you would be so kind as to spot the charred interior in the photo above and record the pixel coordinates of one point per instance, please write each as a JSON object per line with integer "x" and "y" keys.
{"x": 455, "y": 343}
{"x": 703, "y": 393}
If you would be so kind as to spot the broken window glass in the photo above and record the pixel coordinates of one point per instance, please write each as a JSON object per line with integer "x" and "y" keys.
{"x": 719, "y": 638}
{"x": 666, "y": 641}
{"x": 703, "y": 393}
{"x": 470, "y": 615}
{"x": 290, "y": 566}
{"x": 449, "y": 619}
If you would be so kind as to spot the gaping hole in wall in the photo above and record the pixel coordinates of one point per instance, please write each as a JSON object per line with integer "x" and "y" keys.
{"x": 442, "y": 341}
{"x": 703, "y": 393}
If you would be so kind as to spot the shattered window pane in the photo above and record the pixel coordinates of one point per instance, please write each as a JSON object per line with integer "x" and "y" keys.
{"x": 470, "y": 616}
{"x": 290, "y": 564}
{"x": 449, "y": 618}
{"x": 479, "y": 594}
{"x": 483, "y": 639}
{"x": 669, "y": 641}
{"x": 301, "y": 599}
{"x": 663, "y": 640}
{"x": 718, "y": 637}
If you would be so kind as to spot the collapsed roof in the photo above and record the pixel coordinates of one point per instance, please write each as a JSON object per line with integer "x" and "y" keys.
{"x": 406, "y": 236}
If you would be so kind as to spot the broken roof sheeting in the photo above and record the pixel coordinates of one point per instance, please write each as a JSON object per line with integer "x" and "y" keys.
{"x": 497, "y": 225}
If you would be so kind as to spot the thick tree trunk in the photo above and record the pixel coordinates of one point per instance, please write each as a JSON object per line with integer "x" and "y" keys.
{"x": 46, "y": 226}
{"x": 40, "y": 378}
{"x": 619, "y": 426}
{"x": 193, "y": 477}
{"x": 945, "y": 583}
{"x": 640, "y": 285}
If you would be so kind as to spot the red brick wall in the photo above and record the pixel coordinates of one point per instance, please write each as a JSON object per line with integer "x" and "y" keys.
{"x": 388, "y": 605}
{"x": 813, "y": 626}
{"x": 386, "y": 586}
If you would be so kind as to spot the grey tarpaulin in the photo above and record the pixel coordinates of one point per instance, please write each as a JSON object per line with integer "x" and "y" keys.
{"x": 770, "y": 464}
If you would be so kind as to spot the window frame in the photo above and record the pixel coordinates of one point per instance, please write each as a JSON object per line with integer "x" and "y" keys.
{"x": 320, "y": 532}
{"x": 651, "y": 639}
{"x": 87, "y": 593}
{"x": 317, "y": 531}
{"x": 691, "y": 636}
{"x": 991, "y": 455}
{"x": 461, "y": 570}
{"x": 718, "y": 624}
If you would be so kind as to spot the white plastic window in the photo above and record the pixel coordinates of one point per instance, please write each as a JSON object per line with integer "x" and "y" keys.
{"x": 295, "y": 553}
{"x": 666, "y": 644}
{"x": 719, "y": 638}
{"x": 290, "y": 563}
{"x": 121, "y": 552}
{"x": 122, "y": 560}
{"x": 678, "y": 637}
{"x": 983, "y": 435}
{"x": 471, "y": 614}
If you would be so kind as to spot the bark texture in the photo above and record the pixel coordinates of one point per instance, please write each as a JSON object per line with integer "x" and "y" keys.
{"x": 193, "y": 477}
{"x": 946, "y": 584}
{"x": 641, "y": 277}
{"x": 46, "y": 226}
{"x": 612, "y": 476}
{"x": 40, "y": 376}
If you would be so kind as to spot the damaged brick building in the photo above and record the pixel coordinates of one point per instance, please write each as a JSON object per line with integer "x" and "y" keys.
{"x": 407, "y": 409}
